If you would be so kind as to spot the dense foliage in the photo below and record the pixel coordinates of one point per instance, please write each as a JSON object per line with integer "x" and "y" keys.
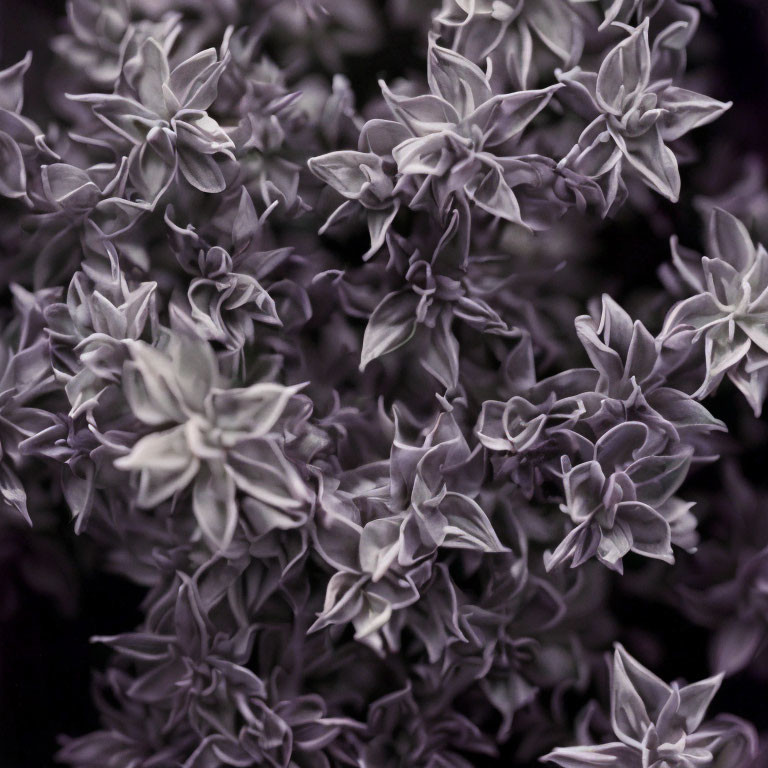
{"x": 335, "y": 373}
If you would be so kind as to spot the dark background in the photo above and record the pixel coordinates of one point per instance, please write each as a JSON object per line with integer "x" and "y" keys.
{"x": 45, "y": 656}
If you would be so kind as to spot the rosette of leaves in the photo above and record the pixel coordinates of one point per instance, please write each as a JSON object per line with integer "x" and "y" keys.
{"x": 186, "y": 665}
{"x": 524, "y": 36}
{"x": 366, "y": 180}
{"x": 644, "y": 378}
{"x": 26, "y": 385}
{"x": 430, "y": 500}
{"x": 742, "y": 601}
{"x": 416, "y": 503}
{"x": 628, "y": 11}
{"x": 352, "y": 595}
{"x": 438, "y": 291}
{"x": 502, "y": 635}
{"x": 636, "y": 112}
{"x": 95, "y": 37}
{"x": 272, "y": 131}
{"x": 635, "y": 377}
{"x": 162, "y": 115}
{"x": 218, "y": 439}
{"x": 194, "y": 669}
{"x": 132, "y": 731}
{"x": 662, "y": 726}
{"x": 80, "y": 209}
{"x": 25, "y": 376}
{"x": 87, "y": 332}
{"x": 225, "y": 299}
{"x": 461, "y": 135}
{"x": 101, "y": 34}
{"x": 729, "y": 312}
{"x": 418, "y": 724}
{"x": 621, "y": 500}
{"x": 532, "y": 430}
{"x": 449, "y": 148}
{"x": 22, "y": 143}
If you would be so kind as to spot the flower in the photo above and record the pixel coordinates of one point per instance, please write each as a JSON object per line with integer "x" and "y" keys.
{"x": 621, "y": 500}
{"x": 162, "y": 114}
{"x": 661, "y": 726}
{"x": 88, "y": 330}
{"x": 523, "y": 34}
{"x": 448, "y": 148}
{"x": 225, "y": 298}
{"x": 644, "y": 378}
{"x": 382, "y": 562}
{"x": 25, "y": 377}
{"x": 459, "y": 134}
{"x": 730, "y": 308}
{"x": 638, "y": 113}
{"x": 207, "y": 442}
{"x": 22, "y": 143}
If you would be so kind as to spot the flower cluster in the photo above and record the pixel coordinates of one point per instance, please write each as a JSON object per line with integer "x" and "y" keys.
{"x": 317, "y": 363}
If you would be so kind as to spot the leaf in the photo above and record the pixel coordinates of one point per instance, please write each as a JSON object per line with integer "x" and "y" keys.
{"x": 337, "y": 540}
{"x": 252, "y": 411}
{"x": 246, "y": 225}
{"x": 654, "y": 161}
{"x": 69, "y": 186}
{"x": 456, "y": 79}
{"x": 625, "y": 71}
{"x": 379, "y": 546}
{"x": 194, "y": 369}
{"x": 442, "y": 355}
{"x": 378, "y": 226}
{"x": 637, "y": 698}
{"x": 165, "y": 463}
{"x": 144, "y": 646}
{"x": 13, "y": 175}
{"x": 392, "y": 325}
{"x": 373, "y": 615}
{"x": 149, "y": 386}
{"x": 150, "y": 173}
{"x": 491, "y": 192}
{"x": 558, "y": 27}
{"x": 260, "y": 469}
{"x": 381, "y": 136}
{"x": 736, "y": 643}
{"x": 201, "y": 171}
{"x": 614, "y": 755}
{"x": 12, "y": 494}
{"x": 12, "y": 84}
{"x": 344, "y": 172}
{"x": 157, "y": 684}
{"x": 506, "y": 116}
{"x": 187, "y": 78}
{"x": 620, "y": 445}
{"x": 681, "y": 410}
{"x": 687, "y": 110}
{"x": 583, "y": 487}
{"x": 213, "y": 503}
{"x": 650, "y": 532}
{"x": 606, "y": 360}
{"x": 423, "y": 115}
{"x": 343, "y": 600}
{"x": 656, "y": 478}
{"x": 150, "y": 72}
{"x": 728, "y": 239}
{"x": 468, "y": 526}
{"x": 696, "y": 698}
